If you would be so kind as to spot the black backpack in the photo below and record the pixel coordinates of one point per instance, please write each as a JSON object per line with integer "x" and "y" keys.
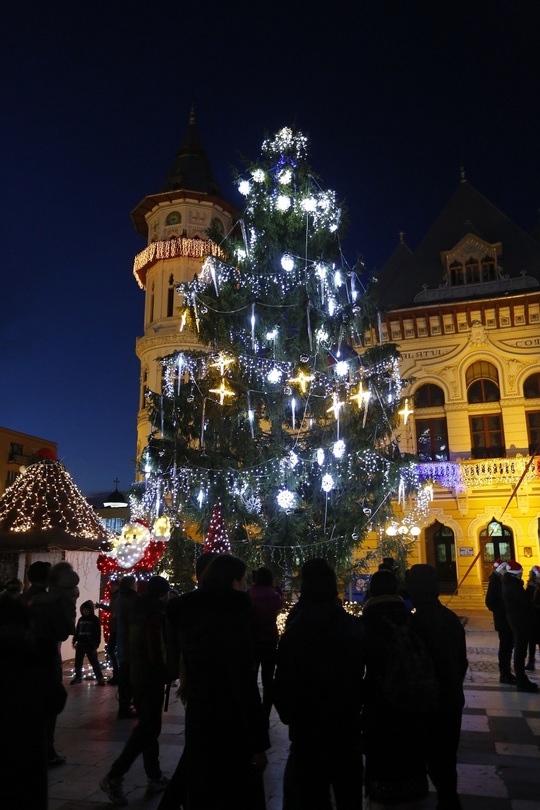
{"x": 408, "y": 684}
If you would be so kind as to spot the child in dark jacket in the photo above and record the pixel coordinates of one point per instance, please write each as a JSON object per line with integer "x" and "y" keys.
{"x": 86, "y": 642}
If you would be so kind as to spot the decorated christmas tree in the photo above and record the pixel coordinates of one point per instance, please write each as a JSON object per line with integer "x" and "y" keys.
{"x": 217, "y": 538}
{"x": 284, "y": 415}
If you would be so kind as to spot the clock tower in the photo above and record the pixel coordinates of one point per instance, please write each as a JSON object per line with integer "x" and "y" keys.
{"x": 175, "y": 223}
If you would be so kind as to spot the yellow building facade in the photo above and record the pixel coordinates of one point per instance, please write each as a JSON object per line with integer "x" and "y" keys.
{"x": 18, "y": 450}
{"x": 464, "y": 311}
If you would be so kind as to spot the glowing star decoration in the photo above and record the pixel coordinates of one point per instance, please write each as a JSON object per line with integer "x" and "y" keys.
{"x": 222, "y": 361}
{"x": 223, "y": 392}
{"x": 309, "y": 204}
{"x": 405, "y": 412}
{"x": 336, "y": 405}
{"x": 161, "y": 529}
{"x": 342, "y": 368}
{"x": 286, "y": 498}
{"x": 244, "y": 187}
{"x": 131, "y": 545}
{"x": 258, "y": 176}
{"x": 339, "y": 448}
{"x": 361, "y": 397}
{"x": 287, "y": 262}
{"x": 285, "y": 177}
{"x": 327, "y": 483}
{"x": 302, "y": 380}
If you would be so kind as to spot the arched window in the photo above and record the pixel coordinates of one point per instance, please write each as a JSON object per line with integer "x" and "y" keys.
{"x": 496, "y": 542}
{"x": 170, "y": 297}
{"x": 531, "y": 386}
{"x": 428, "y": 396}
{"x": 482, "y": 381}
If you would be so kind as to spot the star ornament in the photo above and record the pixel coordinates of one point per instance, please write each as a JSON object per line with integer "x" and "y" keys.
{"x": 222, "y": 361}
{"x": 405, "y": 412}
{"x": 336, "y": 405}
{"x": 361, "y": 397}
{"x": 302, "y": 380}
{"x": 223, "y": 392}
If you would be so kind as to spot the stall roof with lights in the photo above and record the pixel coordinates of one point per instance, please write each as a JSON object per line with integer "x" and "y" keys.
{"x": 43, "y": 509}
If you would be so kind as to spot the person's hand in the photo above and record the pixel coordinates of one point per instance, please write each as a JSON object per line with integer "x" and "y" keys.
{"x": 260, "y": 761}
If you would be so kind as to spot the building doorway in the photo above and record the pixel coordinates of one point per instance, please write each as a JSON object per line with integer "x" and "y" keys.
{"x": 441, "y": 553}
{"x": 496, "y": 542}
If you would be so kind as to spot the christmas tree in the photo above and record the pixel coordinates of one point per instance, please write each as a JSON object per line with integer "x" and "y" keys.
{"x": 283, "y": 414}
{"x": 217, "y": 538}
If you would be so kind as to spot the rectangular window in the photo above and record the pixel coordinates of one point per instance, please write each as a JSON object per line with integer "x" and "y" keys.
{"x": 487, "y": 439}
{"x": 432, "y": 439}
{"x": 533, "y": 430}
{"x": 15, "y": 450}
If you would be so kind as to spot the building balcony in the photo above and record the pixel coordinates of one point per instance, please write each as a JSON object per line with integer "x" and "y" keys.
{"x": 171, "y": 249}
{"x": 463, "y": 476}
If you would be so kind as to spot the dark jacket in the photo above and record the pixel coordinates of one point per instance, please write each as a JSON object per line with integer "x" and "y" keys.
{"x": 225, "y": 723}
{"x": 518, "y": 608}
{"x": 266, "y": 603}
{"x": 88, "y": 630}
{"x": 494, "y": 602}
{"x": 318, "y": 682}
{"x": 124, "y": 604}
{"x": 147, "y": 657}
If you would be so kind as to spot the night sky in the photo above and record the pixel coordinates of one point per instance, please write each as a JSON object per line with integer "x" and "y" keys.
{"x": 394, "y": 96}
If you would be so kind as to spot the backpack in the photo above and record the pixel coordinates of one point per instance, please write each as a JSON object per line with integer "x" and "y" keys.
{"x": 408, "y": 684}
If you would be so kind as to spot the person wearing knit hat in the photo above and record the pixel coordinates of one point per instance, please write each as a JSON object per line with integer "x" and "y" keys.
{"x": 532, "y": 591}
{"x": 494, "y": 603}
{"x": 443, "y": 634}
{"x": 520, "y": 617}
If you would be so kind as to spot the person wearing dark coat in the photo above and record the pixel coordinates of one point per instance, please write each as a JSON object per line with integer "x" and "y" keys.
{"x": 37, "y": 574}
{"x": 318, "y": 694}
{"x": 52, "y": 616}
{"x": 147, "y": 669}
{"x": 226, "y": 729}
{"x": 86, "y": 640}
{"x": 494, "y": 603}
{"x": 395, "y": 771}
{"x": 124, "y": 604}
{"x": 520, "y": 618}
{"x": 533, "y": 595}
{"x": 443, "y": 634}
{"x": 266, "y": 603}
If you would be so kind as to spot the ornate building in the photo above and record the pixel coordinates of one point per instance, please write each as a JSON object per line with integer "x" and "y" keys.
{"x": 175, "y": 223}
{"x": 464, "y": 310}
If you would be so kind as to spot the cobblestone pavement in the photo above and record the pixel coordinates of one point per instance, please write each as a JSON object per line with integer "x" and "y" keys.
{"x": 499, "y": 756}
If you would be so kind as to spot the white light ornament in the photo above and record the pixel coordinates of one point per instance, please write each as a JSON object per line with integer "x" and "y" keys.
{"x": 293, "y": 459}
{"x": 283, "y": 202}
{"x": 244, "y": 187}
{"x": 287, "y": 262}
{"x": 258, "y": 176}
{"x": 320, "y": 456}
{"x": 286, "y": 499}
{"x": 285, "y": 177}
{"x": 342, "y": 368}
{"x": 339, "y": 448}
{"x": 222, "y": 361}
{"x": 274, "y": 375}
{"x": 327, "y": 483}
{"x": 309, "y": 204}
{"x": 405, "y": 412}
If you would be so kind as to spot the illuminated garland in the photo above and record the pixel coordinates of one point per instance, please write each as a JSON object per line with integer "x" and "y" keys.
{"x": 171, "y": 248}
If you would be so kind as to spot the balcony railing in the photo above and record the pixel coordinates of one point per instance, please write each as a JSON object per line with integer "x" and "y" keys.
{"x": 487, "y": 472}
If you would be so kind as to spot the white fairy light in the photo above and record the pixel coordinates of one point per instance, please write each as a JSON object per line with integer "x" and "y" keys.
{"x": 339, "y": 448}
{"x": 200, "y": 498}
{"x": 320, "y": 456}
{"x": 342, "y": 368}
{"x": 309, "y": 204}
{"x": 285, "y": 177}
{"x": 338, "y": 279}
{"x": 274, "y": 375}
{"x": 293, "y": 459}
{"x": 331, "y": 306}
{"x": 320, "y": 271}
{"x": 327, "y": 483}
{"x": 285, "y": 498}
{"x": 244, "y": 187}
{"x": 322, "y": 335}
{"x": 272, "y": 335}
{"x": 283, "y": 203}
{"x": 258, "y": 175}
{"x": 287, "y": 262}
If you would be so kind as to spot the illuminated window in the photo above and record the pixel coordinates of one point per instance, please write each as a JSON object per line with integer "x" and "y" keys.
{"x": 482, "y": 381}
{"x": 487, "y": 438}
{"x": 432, "y": 439}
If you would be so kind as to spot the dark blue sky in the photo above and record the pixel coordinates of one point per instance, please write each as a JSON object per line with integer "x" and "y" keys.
{"x": 395, "y": 97}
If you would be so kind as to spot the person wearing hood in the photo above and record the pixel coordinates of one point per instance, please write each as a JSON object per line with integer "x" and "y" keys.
{"x": 147, "y": 669}
{"x": 494, "y": 603}
{"x": 519, "y": 613}
{"x": 443, "y": 635}
{"x": 226, "y": 728}
{"x": 266, "y": 603}
{"x": 318, "y": 694}
{"x": 86, "y": 640}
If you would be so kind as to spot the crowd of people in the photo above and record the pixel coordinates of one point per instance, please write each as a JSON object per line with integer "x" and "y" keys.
{"x": 516, "y": 617}
{"x": 350, "y": 688}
